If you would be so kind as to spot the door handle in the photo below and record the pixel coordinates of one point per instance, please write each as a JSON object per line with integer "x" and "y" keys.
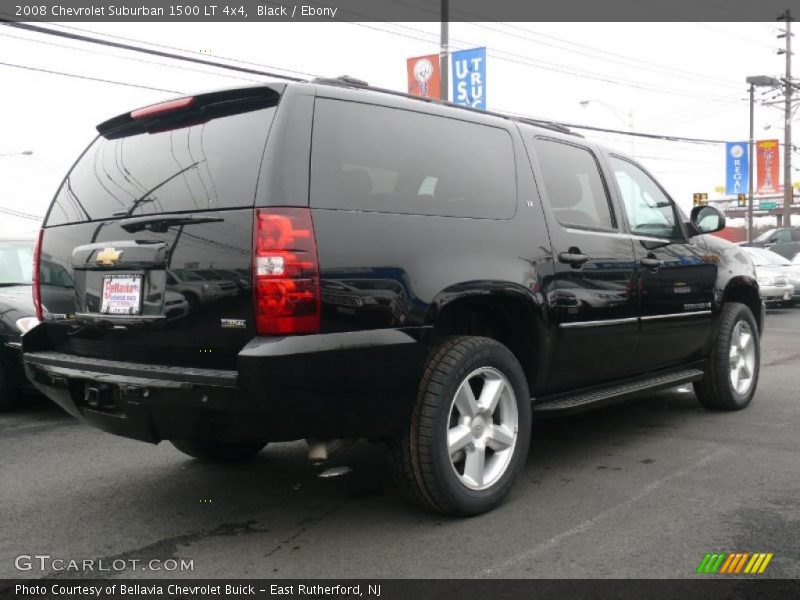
{"x": 651, "y": 262}
{"x": 573, "y": 257}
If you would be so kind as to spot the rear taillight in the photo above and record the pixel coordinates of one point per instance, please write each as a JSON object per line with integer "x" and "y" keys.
{"x": 286, "y": 289}
{"x": 37, "y": 290}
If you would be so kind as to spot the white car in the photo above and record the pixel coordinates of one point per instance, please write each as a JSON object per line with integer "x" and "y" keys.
{"x": 778, "y": 279}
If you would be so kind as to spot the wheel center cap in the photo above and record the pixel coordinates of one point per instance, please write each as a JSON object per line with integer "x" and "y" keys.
{"x": 477, "y": 427}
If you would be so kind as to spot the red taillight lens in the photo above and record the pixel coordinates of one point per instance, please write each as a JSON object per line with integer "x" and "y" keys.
{"x": 163, "y": 107}
{"x": 285, "y": 272}
{"x": 37, "y": 290}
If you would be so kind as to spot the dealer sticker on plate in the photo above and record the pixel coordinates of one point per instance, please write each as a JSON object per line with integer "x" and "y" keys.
{"x": 122, "y": 295}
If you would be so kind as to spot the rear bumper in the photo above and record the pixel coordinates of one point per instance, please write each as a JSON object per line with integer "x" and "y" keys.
{"x": 355, "y": 384}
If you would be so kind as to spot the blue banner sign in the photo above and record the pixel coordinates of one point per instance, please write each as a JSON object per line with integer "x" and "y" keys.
{"x": 469, "y": 77}
{"x": 736, "y": 168}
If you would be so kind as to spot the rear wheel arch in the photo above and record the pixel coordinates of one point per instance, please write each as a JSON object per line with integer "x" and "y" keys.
{"x": 509, "y": 316}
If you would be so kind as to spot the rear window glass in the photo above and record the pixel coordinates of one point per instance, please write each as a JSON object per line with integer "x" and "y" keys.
{"x": 378, "y": 159}
{"x": 206, "y": 166}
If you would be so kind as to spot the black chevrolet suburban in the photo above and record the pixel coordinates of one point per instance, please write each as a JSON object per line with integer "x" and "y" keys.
{"x": 421, "y": 274}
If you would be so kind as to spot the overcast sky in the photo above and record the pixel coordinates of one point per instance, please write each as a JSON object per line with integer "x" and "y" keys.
{"x": 676, "y": 78}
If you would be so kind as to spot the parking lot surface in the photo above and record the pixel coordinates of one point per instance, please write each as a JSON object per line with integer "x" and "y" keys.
{"x": 640, "y": 489}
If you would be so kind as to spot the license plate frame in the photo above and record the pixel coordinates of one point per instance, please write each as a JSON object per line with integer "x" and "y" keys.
{"x": 128, "y": 300}
{"x": 787, "y": 295}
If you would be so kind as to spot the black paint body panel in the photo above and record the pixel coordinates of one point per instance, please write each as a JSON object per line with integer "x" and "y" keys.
{"x": 385, "y": 280}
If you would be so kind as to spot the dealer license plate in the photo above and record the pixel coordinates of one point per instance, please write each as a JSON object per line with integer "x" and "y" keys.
{"x": 122, "y": 295}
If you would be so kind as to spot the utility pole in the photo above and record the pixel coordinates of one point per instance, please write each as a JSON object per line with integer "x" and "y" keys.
{"x": 750, "y": 160}
{"x": 444, "y": 51}
{"x": 787, "y": 138}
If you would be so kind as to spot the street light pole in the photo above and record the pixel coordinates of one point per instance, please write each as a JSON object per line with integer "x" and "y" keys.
{"x": 760, "y": 81}
{"x": 444, "y": 51}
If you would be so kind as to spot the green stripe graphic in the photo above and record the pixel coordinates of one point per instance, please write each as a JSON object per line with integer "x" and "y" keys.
{"x": 704, "y": 564}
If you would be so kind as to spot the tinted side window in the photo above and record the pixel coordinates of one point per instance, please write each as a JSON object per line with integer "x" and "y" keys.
{"x": 649, "y": 210}
{"x": 783, "y": 235}
{"x": 574, "y": 185}
{"x": 206, "y": 166}
{"x": 378, "y": 159}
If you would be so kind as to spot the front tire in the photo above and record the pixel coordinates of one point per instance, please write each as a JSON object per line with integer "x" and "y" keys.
{"x": 211, "y": 451}
{"x": 734, "y": 363}
{"x": 469, "y": 431}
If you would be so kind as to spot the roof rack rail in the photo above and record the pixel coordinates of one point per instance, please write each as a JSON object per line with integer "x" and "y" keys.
{"x": 548, "y": 125}
{"x": 348, "y": 81}
{"x": 341, "y": 80}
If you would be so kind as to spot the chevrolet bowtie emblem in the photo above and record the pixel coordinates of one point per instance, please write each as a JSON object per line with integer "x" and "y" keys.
{"x": 108, "y": 256}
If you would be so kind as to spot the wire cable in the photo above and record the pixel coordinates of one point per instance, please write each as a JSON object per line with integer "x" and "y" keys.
{"x": 98, "y": 79}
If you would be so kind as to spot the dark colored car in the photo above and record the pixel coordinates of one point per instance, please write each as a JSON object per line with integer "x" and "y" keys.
{"x": 17, "y": 316}
{"x": 423, "y": 275}
{"x": 784, "y": 241}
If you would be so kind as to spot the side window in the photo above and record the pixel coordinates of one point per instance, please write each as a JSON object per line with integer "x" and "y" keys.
{"x": 574, "y": 185}
{"x": 796, "y": 235}
{"x": 783, "y": 235}
{"x": 378, "y": 159}
{"x": 649, "y": 210}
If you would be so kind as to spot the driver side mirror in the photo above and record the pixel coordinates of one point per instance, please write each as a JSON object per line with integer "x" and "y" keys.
{"x": 707, "y": 219}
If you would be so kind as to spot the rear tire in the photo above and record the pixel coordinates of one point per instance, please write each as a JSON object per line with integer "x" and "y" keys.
{"x": 469, "y": 432}
{"x": 211, "y": 451}
{"x": 8, "y": 395}
{"x": 734, "y": 362}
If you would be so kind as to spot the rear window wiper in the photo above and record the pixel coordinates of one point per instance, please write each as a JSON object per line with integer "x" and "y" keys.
{"x": 160, "y": 223}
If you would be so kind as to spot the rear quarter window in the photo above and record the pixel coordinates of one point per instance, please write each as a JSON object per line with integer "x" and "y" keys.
{"x": 378, "y": 159}
{"x": 207, "y": 166}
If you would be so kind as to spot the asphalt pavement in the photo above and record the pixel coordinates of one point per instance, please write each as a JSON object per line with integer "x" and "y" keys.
{"x": 641, "y": 489}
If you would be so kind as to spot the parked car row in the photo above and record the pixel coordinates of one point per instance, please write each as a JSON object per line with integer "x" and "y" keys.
{"x": 778, "y": 277}
{"x": 17, "y": 316}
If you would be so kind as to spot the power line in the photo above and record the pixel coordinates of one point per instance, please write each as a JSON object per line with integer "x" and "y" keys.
{"x": 131, "y": 58}
{"x": 592, "y": 50}
{"x": 22, "y": 215}
{"x": 93, "y": 40}
{"x": 98, "y": 79}
{"x": 238, "y": 60}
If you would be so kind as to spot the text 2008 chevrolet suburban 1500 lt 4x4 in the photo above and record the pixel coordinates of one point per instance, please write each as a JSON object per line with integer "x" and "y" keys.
{"x": 422, "y": 274}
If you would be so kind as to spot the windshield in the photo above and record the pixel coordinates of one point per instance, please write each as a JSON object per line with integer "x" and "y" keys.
{"x": 766, "y": 258}
{"x": 16, "y": 263}
{"x": 764, "y": 236}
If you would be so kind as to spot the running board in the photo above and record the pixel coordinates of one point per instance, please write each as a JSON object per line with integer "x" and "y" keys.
{"x": 561, "y": 404}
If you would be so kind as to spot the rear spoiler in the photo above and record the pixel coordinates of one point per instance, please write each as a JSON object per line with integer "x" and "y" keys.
{"x": 191, "y": 110}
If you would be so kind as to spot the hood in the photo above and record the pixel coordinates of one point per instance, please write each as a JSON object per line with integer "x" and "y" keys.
{"x": 18, "y": 298}
{"x": 16, "y": 302}
{"x": 770, "y": 272}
